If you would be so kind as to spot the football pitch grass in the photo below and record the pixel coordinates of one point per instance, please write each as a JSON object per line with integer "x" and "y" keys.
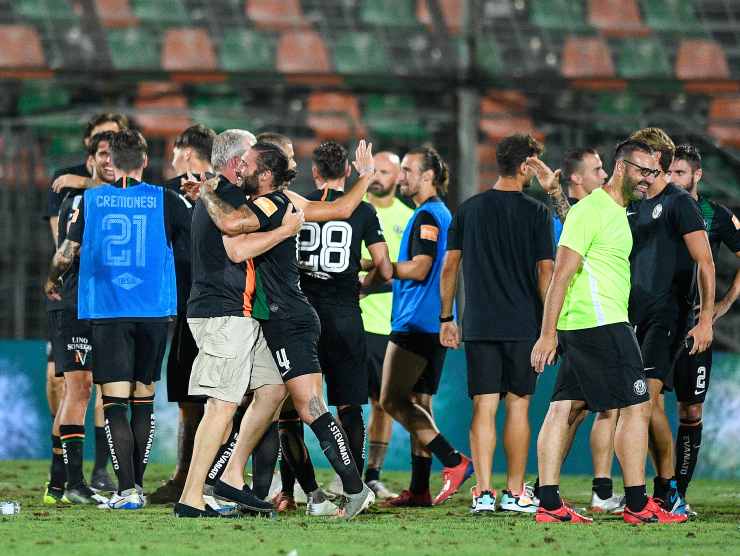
{"x": 447, "y": 529}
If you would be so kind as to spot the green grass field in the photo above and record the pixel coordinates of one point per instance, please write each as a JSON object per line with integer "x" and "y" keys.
{"x": 447, "y": 529}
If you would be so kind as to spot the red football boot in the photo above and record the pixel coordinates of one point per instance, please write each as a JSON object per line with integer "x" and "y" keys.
{"x": 564, "y": 514}
{"x": 408, "y": 499}
{"x": 652, "y": 513}
{"x": 453, "y": 478}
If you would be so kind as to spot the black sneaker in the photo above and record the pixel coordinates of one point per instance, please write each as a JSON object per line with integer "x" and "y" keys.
{"x": 83, "y": 494}
{"x": 244, "y": 498}
{"x": 101, "y": 480}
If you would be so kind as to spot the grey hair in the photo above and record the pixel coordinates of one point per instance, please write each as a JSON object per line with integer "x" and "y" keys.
{"x": 229, "y": 144}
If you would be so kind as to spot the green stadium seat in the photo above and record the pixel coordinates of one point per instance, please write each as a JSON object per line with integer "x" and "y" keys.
{"x": 169, "y": 12}
{"x": 247, "y": 50}
{"x": 42, "y": 96}
{"x": 391, "y": 13}
{"x": 219, "y": 112}
{"x": 670, "y": 15}
{"x": 557, "y": 14}
{"x": 394, "y": 117}
{"x": 357, "y": 52}
{"x": 46, "y": 10}
{"x": 643, "y": 58}
{"x": 133, "y": 48}
{"x": 488, "y": 56}
{"x": 618, "y": 111}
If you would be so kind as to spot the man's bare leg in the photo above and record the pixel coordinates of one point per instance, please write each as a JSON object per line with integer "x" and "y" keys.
{"x": 483, "y": 437}
{"x": 516, "y": 440}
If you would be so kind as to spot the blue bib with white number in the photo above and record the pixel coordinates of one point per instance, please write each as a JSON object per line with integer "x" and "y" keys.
{"x": 127, "y": 269}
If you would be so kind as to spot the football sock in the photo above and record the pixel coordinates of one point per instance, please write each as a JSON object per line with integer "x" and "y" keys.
{"x": 294, "y": 453}
{"x": 550, "y": 497}
{"x": 287, "y": 477}
{"x": 661, "y": 487}
{"x": 421, "y": 469}
{"x": 101, "y": 449}
{"x": 603, "y": 487}
{"x": 227, "y": 448}
{"x": 354, "y": 426}
{"x": 444, "y": 451}
{"x": 264, "y": 457}
{"x": 142, "y": 426}
{"x": 334, "y": 443}
{"x": 57, "y": 472}
{"x": 375, "y": 460}
{"x": 688, "y": 442}
{"x": 636, "y": 498}
{"x": 120, "y": 440}
{"x": 73, "y": 440}
{"x": 536, "y": 487}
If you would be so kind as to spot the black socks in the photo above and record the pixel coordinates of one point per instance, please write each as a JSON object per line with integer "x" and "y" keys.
{"x": 421, "y": 469}
{"x": 264, "y": 457}
{"x": 294, "y": 454}
{"x": 224, "y": 452}
{"x": 444, "y": 451}
{"x": 603, "y": 487}
{"x": 73, "y": 438}
{"x": 142, "y": 427}
{"x": 688, "y": 442}
{"x": 354, "y": 427}
{"x": 57, "y": 472}
{"x": 120, "y": 440}
{"x": 101, "y": 449}
{"x": 550, "y": 497}
{"x": 661, "y": 487}
{"x": 335, "y": 445}
{"x": 636, "y": 498}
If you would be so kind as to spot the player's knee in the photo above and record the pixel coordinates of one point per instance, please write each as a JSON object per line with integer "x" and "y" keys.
{"x": 559, "y": 411}
{"x": 389, "y": 403}
{"x": 271, "y": 394}
{"x": 79, "y": 391}
{"x": 690, "y": 413}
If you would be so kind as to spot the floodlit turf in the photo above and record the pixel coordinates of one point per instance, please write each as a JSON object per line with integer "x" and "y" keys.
{"x": 448, "y": 529}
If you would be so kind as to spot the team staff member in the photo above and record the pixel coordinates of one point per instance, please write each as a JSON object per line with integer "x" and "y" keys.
{"x": 414, "y": 351}
{"x": 376, "y": 313}
{"x": 691, "y": 373}
{"x": 124, "y": 234}
{"x": 191, "y": 156}
{"x": 507, "y": 264}
{"x": 601, "y": 367}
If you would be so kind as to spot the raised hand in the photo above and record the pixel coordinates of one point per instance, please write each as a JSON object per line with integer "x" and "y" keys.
{"x": 363, "y": 162}
{"x": 549, "y": 180}
{"x": 293, "y": 220}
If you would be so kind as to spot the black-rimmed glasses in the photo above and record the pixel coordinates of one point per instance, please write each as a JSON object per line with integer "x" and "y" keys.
{"x": 644, "y": 172}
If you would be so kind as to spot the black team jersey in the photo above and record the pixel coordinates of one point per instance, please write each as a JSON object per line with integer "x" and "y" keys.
{"x": 181, "y": 249}
{"x": 69, "y": 212}
{"x": 502, "y": 236}
{"x": 330, "y": 253}
{"x": 658, "y": 226}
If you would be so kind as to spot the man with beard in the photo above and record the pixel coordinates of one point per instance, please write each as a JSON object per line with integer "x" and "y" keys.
{"x": 586, "y": 313}
{"x": 691, "y": 373}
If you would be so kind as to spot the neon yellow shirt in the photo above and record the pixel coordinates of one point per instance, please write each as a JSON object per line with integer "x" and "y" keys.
{"x": 598, "y": 294}
{"x": 376, "y": 308}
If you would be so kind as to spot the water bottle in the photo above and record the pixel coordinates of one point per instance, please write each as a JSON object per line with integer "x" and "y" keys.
{"x": 10, "y": 507}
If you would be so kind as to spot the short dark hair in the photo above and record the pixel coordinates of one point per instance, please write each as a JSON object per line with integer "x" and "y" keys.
{"x": 199, "y": 138}
{"x": 430, "y": 160}
{"x": 120, "y": 119}
{"x": 272, "y": 158}
{"x": 629, "y": 146}
{"x": 330, "y": 159}
{"x": 274, "y": 138}
{"x": 690, "y": 154}
{"x": 128, "y": 150}
{"x": 98, "y": 138}
{"x": 571, "y": 161}
{"x": 513, "y": 150}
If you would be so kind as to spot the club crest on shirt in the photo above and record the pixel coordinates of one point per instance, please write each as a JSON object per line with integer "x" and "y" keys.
{"x": 639, "y": 386}
{"x": 657, "y": 211}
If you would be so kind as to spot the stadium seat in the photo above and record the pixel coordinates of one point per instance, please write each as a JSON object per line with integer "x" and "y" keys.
{"x": 643, "y": 58}
{"x": 115, "y": 13}
{"x": 41, "y": 96}
{"x": 452, "y": 12}
{"x": 220, "y": 112}
{"x": 45, "y": 10}
{"x": 133, "y": 49}
{"x": 586, "y": 57}
{"x": 724, "y": 120}
{"x": 394, "y": 118}
{"x": 557, "y": 14}
{"x": 618, "y": 111}
{"x": 388, "y": 13}
{"x": 701, "y": 59}
{"x": 358, "y": 52}
{"x": 616, "y": 18}
{"x": 670, "y": 15}
{"x": 21, "y": 47}
{"x": 487, "y": 166}
{"x": 302, "y": 51}
{"x": 276, "y": 16}
{"x": 335, "y": 116}
{"x": 188, "y": 49}
{"x": 161, "y": 110}
{"x": 488, "y": 56}
{"x": 247, "y": 50}
{"x": 159, "y": 12}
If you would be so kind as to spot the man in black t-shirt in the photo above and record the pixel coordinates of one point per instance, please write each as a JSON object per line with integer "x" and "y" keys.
{"x": 329, "y": 258}
{"x": 504, "y": 240}
{"x": 691, "y": 373}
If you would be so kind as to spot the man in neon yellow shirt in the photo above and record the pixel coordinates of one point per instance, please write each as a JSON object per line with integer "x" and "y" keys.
{"x": 601, "y": 366}
{"x": 376, "y": 312}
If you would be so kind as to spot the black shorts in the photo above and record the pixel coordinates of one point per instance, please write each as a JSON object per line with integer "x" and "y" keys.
{"x": 183, "y": 352}
{"x": 500, "y": 367}
{"x": 376, "y": 346}
{"x": 658, "y": 344}
{"x": 71, "y": 341}
{"x": 601, "y": 366}
{"x": 129, "y": 351}
{"x": 691, "y": 375}
{"x": 427, "y": 346}
{"x": 294, "y": 345}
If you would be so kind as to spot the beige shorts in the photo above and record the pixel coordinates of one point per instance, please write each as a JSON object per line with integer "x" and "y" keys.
{"x": 233, "y": 358}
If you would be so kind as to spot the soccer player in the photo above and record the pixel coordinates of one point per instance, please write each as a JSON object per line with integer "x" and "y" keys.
{"x": 330, "y": 255}
{"x": 376, "y": 313}
{"x": 691, "y": 373}
{"x": 504, "y": 241}
{"x": 123, "y": 233}
{"x": 73, "y": 342}
{"x": 414, "y": 358}
{"x": 292, "y": 330}
{"x": 665, "y": 225}
{"x": 191, "y": 156}
{"x": 601, "y": 368}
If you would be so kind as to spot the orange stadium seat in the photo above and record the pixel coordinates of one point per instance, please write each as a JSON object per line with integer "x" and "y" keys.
{"x": 616, "y": 18}
{"x": 302, "y": 51}
{"x": 701, "y": 59}
{"x": 268, "y": 14}
{"x": 161, "y": 109}
{"x": 335, "y": 116}
{"x": 188, "y": 49}
{"x": 724, "y": 120}
{"x": 504, "y": 113}
{"x": 487, "y": 167}
{"x": 452, "y": 11}
{"x": 115, "y": 13}
{"x": 586, "y": 57}
{"x": 21, "y": 47}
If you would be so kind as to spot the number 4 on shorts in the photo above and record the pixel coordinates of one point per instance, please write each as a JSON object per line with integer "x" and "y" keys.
{"x": 282, "y": 361}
